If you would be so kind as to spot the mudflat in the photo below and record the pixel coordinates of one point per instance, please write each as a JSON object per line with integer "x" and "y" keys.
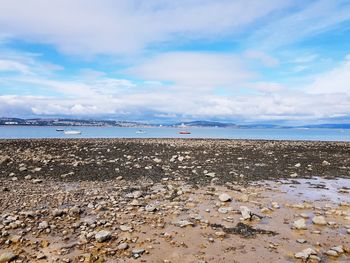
{"x": 174, "y": 200}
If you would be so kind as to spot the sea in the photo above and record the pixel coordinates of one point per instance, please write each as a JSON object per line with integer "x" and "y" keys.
{"x": 312, "y": 134}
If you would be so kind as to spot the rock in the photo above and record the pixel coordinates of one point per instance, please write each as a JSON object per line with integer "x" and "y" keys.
{"x": 157, "y": 160}
{"x": 43, "y": 225}
{"x": 102, "y": 236}
{"x": 325, "y": 163}
{"x": 246, "y": 213}
{"x": 136, "y": 194}
{"x": 137, "y": 252}
{"x": 338, "y": 249}
{"x": 125, "y": 228}
{"x": 150, "y": 208}
{"x": 301, "y": 241}
{"x": 332, "y": 253}
{"x": 220, "y": 233}
{"x": 319, "y": 220}
{"x": 211, "y": 175}
{"x": 275, "y": 205}
{"x": 28, "y": 177}
{"x": 183, "y": 223}
{"x": 7, "y": 257}
{"x": 225, "y": 197}
{"x": 37, "y": 181}
{"x": 300, "y": 224}
{"x": 224, "y": 210}
{"x": 305, "y": 254}
{"x": 293, "y": 175}
{"x": 123, "y": 246}
{"x": 297, "y": 165}
{"x": 57, "y": 212}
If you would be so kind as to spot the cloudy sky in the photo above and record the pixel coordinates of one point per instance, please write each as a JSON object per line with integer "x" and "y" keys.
{"x": 234, "y": 60}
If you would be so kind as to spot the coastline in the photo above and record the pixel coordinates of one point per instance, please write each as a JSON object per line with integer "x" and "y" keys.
{"x": 174, "y": 200}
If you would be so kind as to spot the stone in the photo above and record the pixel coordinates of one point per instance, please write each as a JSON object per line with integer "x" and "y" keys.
{"x": 28, "y": 177}
{"x": 220, "y": 233}
{"x": 275, "y": 205}
{"x": 183, "y": 223}
{"x": 246, "y": 213}
{"x": 57, "y": 212}
{"x": 123, "y": 246}
{"x": 293, "y": 175}
{"x": 136, "y": 194}
{"x": 43, "y": 225}
{"x": 224, "y": 210}
{"x": 332, "y": 253}
{"x": 297, "y": 165}
{"x": 102, "y": 236}
{"x": 7, "y": 257}
{"x": 325, "y": 163}
{"x": 225, "y": 197}
{"x": 319, "y": 220}
{"x": 305, "y": 254}
{"x": 150, "y": 208}
{"x": 37, "y": 181}
{"x": 339, "y": 249}
{"x": 300, "y": 224}
{"x": 125, "y": 228}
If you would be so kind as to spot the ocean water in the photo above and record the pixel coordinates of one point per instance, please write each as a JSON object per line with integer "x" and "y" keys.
{"x": 16, "y": 132}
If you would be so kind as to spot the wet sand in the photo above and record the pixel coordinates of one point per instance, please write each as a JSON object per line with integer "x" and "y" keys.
{"x": 162, "y": 201}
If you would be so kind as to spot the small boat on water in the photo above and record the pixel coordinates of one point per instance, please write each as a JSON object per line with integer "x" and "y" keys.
{"x": 184, "y": 132}
{"x": 72, "y": 132}
{"x": 59, "y": 130}
{"x": 141, "y": 132}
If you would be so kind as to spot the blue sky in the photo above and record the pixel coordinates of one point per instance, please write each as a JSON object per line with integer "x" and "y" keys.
{"x": 232, "y": 60}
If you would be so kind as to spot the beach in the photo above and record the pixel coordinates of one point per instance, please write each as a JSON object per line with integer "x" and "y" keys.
{"x": 174, "y": 200}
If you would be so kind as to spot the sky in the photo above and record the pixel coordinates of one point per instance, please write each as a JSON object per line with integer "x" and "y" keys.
{"x": 272, "y": 61}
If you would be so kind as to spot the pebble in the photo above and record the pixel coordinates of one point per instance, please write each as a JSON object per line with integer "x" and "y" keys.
{"x": 125, "y": 228}
{"x": 246, "y": 213}
{"x": 319, "y": 220}
{"x": 102, "y": 236}
{"x": 305, "y": 254}
{"x": 123, "y": 246}
{"x": 300, "y": 224}
{"x": 43, "y": 225}
{"x": 183, "y": 223}
{"x": 332, "y": 253}
{"x": 225, "y": 197}
{"x": 7, "y": 257}
{"x": 150, "y": 208}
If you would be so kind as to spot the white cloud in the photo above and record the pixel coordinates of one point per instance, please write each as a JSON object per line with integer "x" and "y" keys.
{"x": 336, "y": 80}
{"x": 124, "y": 26}
{"x": 194, "y": 69}
{"x": 13, "y": 66}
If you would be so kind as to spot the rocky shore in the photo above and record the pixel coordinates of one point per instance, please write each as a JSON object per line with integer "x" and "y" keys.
{"x": 171, "y": 200}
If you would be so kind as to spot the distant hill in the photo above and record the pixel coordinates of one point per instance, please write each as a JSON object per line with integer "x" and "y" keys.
{"x": 200, "y": 123}
{"x": 206, "y": 124}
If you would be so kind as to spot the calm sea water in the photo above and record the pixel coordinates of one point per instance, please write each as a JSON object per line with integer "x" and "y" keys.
{"x": 12, "y": 132}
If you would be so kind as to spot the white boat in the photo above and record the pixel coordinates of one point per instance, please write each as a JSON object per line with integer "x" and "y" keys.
{"x": 141, "y": 132}
{"x": 72, "y": 132}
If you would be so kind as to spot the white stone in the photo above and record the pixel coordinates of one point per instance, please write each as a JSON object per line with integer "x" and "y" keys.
{"x": 300, "y": 224}
{"x": 246, "y": 213}
{"x": 319, "y": 220}
{"x": 225, "y": 197}
{"x": 102, "y": 236}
